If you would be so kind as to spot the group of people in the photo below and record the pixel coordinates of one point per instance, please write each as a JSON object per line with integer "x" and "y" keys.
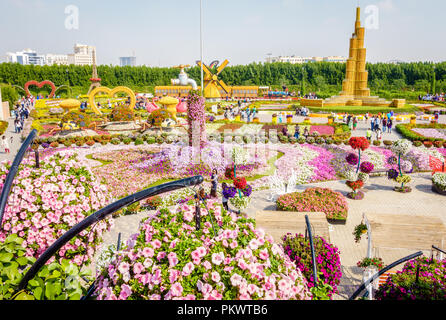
{"x": 380, "y": 124}
{"x": 304, "y": 111}
{"x": 433, "y": 97}
{"x": 21, "y": 112}
{"x": 311, "y": 95}
{"x": 351, "y": 121}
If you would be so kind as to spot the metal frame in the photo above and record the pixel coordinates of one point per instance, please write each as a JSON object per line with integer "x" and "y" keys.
{"x": 13, "y": 172}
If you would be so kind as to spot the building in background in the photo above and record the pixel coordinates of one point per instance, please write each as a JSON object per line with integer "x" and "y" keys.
{"x": 127, "y": 61}
{"x": 25, "y": 57}
{"x": 56, "y": 59}
{"x": 300, "y": 60}
{"x": 83, "y": 55}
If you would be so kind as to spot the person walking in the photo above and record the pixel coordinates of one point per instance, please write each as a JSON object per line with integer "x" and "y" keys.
{"x": 214, "y": 180}
{"x": 389, "y": 125}
{"x": 350, "y": 123}
{"x": 224, "y": 200}
{"x": 296, "y": 131}
{"x": 368, "y": 134}
{"x": 306, "y": 133}
{"x": 5, "y": 144}
{"x": 378, "y": 134}
{"x": 355, "y": 123}
{"x": 384, "y": 124}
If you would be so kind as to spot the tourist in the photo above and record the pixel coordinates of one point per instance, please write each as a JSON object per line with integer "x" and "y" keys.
{"x": 368, "y": 134}
{"x": 384, "y": 125}
{"x": 366, "y": 116}
{"x": 355, "y": 123}
{"x": 372, "y": 123}
{"x": 306, "y": 133}
{"x": 377, "y": 122}
{"x": 5, "y": 144}
{"x": 296, "y": 131}
{"x": 214, "y": 180}
{"x": 378, "y": 134}
{"x": 389, "y": 126}
{"x": 350, "y": 123}
{"x": 280, "y": 117}
{"x": 16, "y": 125}
{"x": 224, "y": 200}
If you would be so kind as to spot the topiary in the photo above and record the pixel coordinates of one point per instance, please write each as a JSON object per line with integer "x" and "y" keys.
{"x": 417, "y": 143}
{"x": 170, "y": 259}
{"x": 127, "y": 141}
{"x": 138, "y": 141}
{"x": 122, "y": 113}
{"x": 90, "y": 143}
{"x": 377, "y": 143}
{"x": 115, "y": 141}
{"x": 80, "y": 143}
{"x": 151, "y": 140}
{"x": 327, "y": 258}
{"x": 81, "y": 119}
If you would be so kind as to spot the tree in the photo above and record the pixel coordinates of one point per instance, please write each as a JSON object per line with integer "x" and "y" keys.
{"x": 10, "y": 94}
{"x": 433, "y": 84}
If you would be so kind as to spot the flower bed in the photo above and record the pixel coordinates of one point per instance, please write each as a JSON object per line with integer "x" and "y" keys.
{"x": 174, "y": 261}
{"x": 332, "y": 203}
{"x": 46, "y": 202}
{"x": 327, "y": 259}
{"x": 431, "y": 284}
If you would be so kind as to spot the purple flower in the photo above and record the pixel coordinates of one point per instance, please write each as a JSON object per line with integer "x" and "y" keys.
{"x": 367, "y": 167}
{"x": 352, "y": 159}
{"x": 247, "y": 191}
{"x": 392, "y": 174}
{"x": 229, "y": 192}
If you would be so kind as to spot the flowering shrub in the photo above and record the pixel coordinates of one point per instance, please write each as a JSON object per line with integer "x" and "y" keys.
{"x": 403, "y": 285}
{"x": 196, "y": 116}
{"x": 240, "y": 183}
{"x": 367, "y": 262}
{"x": 439, "y": 180}
{"x": 355, "y": 185}
{"x": 327, "y": 259}
{"x": 46, "y": 202}
{"x": 169, "y": 259}
{"x": 332, "y": 203}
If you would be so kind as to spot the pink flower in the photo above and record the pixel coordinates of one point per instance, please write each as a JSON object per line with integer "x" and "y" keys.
{"x": 148, "y": 252}
{"x": 126, "y": 291}
{"x": 173, "y": 260}
{"x": 217, "y": 258}
{"x": 215, "y": 276}
{"x": 188, "y": 268}
{"x": 138, "y": 268}
{"x": 176, "y": 289}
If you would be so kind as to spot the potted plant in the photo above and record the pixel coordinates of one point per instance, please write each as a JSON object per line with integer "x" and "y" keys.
{"x": 439, "y": 183}
{"x": 371, "y": 262}
{"x": 359, "y": 230}
{"x": 400, "y": 148}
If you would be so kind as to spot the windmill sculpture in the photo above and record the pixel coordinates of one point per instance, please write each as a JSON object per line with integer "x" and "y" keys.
{"x": 213, "y": 85}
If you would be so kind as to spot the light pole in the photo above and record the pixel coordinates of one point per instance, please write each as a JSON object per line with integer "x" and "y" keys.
{"x": 201, "y": 44}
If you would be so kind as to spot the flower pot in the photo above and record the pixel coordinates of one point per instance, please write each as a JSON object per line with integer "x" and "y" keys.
{"x": 403, "y": 190}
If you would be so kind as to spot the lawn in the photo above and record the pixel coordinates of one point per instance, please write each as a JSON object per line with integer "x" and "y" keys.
{"x": 363, "y": 109}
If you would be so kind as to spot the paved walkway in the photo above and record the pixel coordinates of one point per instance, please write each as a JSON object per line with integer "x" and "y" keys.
{"x": 15, "y": 146}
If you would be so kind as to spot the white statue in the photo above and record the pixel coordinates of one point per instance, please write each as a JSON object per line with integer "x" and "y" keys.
{"x": 280, "y": 185}
{"x": 183, "y": 78}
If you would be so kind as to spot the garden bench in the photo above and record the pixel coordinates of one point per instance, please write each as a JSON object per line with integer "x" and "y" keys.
{"x": 279, "y": 223}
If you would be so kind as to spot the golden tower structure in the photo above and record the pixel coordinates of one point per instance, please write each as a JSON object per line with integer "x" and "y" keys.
{"x": 356, "y": 77}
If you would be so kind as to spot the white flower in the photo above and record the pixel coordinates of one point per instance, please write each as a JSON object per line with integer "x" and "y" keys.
{"x": 401, "y": 147}
{"x": 351, "y": 175}
{"x": 439, "y": 179}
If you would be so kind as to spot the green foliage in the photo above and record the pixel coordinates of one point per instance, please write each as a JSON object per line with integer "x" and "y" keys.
{"x": 322, "y": 291}
{"x": 9, "y": 94}
{"x": 53, "y": 282}
{"x": 81, "y": 119}
{"x": 3, "y": 126}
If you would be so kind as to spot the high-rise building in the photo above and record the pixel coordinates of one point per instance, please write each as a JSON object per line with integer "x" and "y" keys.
{"x": 127, "y": 61}
{"x": 83, "y": 55}
{"x": 25, "y": 57}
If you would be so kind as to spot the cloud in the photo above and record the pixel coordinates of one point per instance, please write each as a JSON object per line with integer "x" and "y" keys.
{"x": 292, "y": 3}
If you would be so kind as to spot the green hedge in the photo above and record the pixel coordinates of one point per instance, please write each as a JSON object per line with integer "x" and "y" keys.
{"x": 406, "y": 131}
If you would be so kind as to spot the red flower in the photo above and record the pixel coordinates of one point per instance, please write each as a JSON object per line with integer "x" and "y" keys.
{"x": 355, "y": 185}
{"x": 240, "y": 183}
{"x": 359, "y": 143}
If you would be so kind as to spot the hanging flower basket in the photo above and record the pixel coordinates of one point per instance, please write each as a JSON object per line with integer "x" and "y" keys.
{"x": 404, "y": 189}
{"x": 358, "y": 195}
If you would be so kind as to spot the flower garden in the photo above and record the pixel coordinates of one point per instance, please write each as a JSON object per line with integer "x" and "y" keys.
{"x": 188, "y": 249}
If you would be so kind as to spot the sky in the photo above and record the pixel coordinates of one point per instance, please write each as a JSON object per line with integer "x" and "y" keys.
{"x": 167, "y": 32}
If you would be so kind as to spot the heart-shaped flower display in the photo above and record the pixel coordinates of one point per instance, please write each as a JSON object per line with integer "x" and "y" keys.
{"x": 40, "y": 85}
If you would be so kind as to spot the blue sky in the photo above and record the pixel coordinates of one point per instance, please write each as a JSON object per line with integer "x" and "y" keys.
{"x": 166, "y": 32}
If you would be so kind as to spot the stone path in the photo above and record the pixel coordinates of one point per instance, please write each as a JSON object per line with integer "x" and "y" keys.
{"x": 15, "y": 146}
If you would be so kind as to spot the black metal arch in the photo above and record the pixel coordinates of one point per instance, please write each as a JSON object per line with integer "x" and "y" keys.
{"x": 13, "y": 172}
{"x": 100, "y": 215}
